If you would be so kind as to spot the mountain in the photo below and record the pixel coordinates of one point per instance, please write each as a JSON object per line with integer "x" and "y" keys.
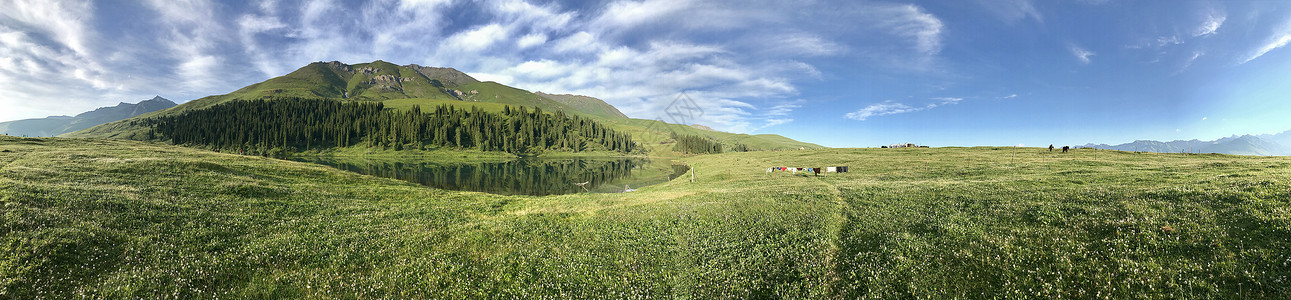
{"x": 56, "y": 125}
{"x": 402, "y": 87}
{"x": 1238, "y": 145}
{"x": 589, "y": 105}
{"x": 1282, "y": 138}
{"x": 1245, "y": 145}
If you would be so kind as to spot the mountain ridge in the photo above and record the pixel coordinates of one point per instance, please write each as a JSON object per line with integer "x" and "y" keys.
{"x": 57, "y": 125}
{"x": 1261, "y": 145}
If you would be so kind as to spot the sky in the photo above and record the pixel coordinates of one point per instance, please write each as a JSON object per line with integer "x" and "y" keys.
{"x": 835, "y": 73}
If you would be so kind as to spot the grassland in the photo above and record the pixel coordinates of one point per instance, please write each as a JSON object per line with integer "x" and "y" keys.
{"x": 94, "y": 218}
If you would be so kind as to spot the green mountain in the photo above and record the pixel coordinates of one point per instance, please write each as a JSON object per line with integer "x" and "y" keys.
{"x": 403, "y": 87}
{"x": 56, "y": 125}
{"x": 593, "y": 106}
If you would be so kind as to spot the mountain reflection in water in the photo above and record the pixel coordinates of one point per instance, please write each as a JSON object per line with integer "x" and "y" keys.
{"x": 538, "y": 177}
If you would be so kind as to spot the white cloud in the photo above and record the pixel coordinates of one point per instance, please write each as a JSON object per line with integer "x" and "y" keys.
{"x": 1213, "y": 21}
{"x": 1188, "y": 62}
{"x": 783, "y": 109}
{"x": 248, "y": 27}
{"x": 64, "y": 21}
{"x": 1278, "y": 40}
{"x": 194, "y": 36}
{"x": 628, "y": 14}
{"x": 912, "y": 22}
{"x": 803, "y": 44}
{"x": 530, "y": 40}
{"x": 1203, "y": 118}
{"x": 518, "y": 12}
{"x": 1081, "y": 54}
{"x": 40, "y": 80}
{"x": 891, "y": 108}
{"x": 777, "y": 115}
{"x": 479, "y": 38}
{"x": 581, "y": 42}
{"x": 1011, "y": 96}
{"x": 772, "y": 122}
{"x": 415, "y": 4}
{"x": 51, "y": 60}
{"x": 543, "y": 69}
{"x": 881, "y": 109}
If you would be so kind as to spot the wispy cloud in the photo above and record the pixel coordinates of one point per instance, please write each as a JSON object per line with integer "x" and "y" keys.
{"x": 1012, "y": 10}
{"x": 783, "y": 109}
{"x": 194, "y": 36}
{"x": 914, "y": 24}
{"x": 773, "y": 122}
{"x": 65, "y": 22}
{"x": 1188, "y": 62}
{"x": 1213, "y": 21}
{"x": 49, "y": 61}
{"x": 881, "y": 109}
{"x": 1081, "y": 54}
{"x": 777, "y": 114}
{"x": 1011, "y": 96}
{"x": 1278, "y": 40}
{"x": 890, "y": 107}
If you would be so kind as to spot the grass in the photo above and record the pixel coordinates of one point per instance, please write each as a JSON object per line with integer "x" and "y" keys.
{"x": 107, "y": 218}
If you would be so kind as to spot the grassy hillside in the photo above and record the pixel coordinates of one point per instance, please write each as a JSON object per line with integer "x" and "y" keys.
{"x": 589, "y": 105}
{"x": 123, "y": 219}
{"x": 656, "y": 136}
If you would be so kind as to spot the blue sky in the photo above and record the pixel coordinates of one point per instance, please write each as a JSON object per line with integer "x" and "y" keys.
{"x": 840, "y": 74}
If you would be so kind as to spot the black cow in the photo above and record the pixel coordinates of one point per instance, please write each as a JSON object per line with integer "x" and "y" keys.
{"x": 1064, "y": 149}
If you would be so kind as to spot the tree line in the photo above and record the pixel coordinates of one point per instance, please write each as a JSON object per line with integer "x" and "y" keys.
{"x": 289, "y": 124}
{"x": 693, "y": 144}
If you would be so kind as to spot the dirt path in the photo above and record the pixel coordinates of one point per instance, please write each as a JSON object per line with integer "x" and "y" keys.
{"x": 835, "y": 232}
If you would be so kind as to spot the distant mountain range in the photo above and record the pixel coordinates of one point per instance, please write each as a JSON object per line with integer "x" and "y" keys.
{"x": 401, "y": 87}
{"x": 56, "y": 125}
{"x": 1266, "y": 145}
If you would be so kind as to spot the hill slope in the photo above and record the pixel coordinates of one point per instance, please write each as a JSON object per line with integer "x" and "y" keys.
{"x": 593, "y": 106}
{"x": 57, "y": 125}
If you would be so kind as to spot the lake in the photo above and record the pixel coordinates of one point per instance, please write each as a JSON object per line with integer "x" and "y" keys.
{"x": 525, "y": 176}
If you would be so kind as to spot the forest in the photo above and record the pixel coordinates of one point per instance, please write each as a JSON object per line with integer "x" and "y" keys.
{"x": 278, "y": 125}
{"x": 693, "y": 144}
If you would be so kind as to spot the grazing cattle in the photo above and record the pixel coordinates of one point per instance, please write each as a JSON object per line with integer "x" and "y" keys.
{"x": 1064, "y": 149}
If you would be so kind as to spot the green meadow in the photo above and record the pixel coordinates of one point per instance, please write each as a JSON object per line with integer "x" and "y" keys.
{"x": 126, "y": 219}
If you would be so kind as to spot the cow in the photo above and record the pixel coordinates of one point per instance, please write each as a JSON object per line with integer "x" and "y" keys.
{"x": 1064, "y": 149}
{"x": 1050, "y": 147}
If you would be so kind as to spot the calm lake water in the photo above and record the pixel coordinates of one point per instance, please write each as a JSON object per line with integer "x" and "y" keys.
{"x": 517, "y": 177}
